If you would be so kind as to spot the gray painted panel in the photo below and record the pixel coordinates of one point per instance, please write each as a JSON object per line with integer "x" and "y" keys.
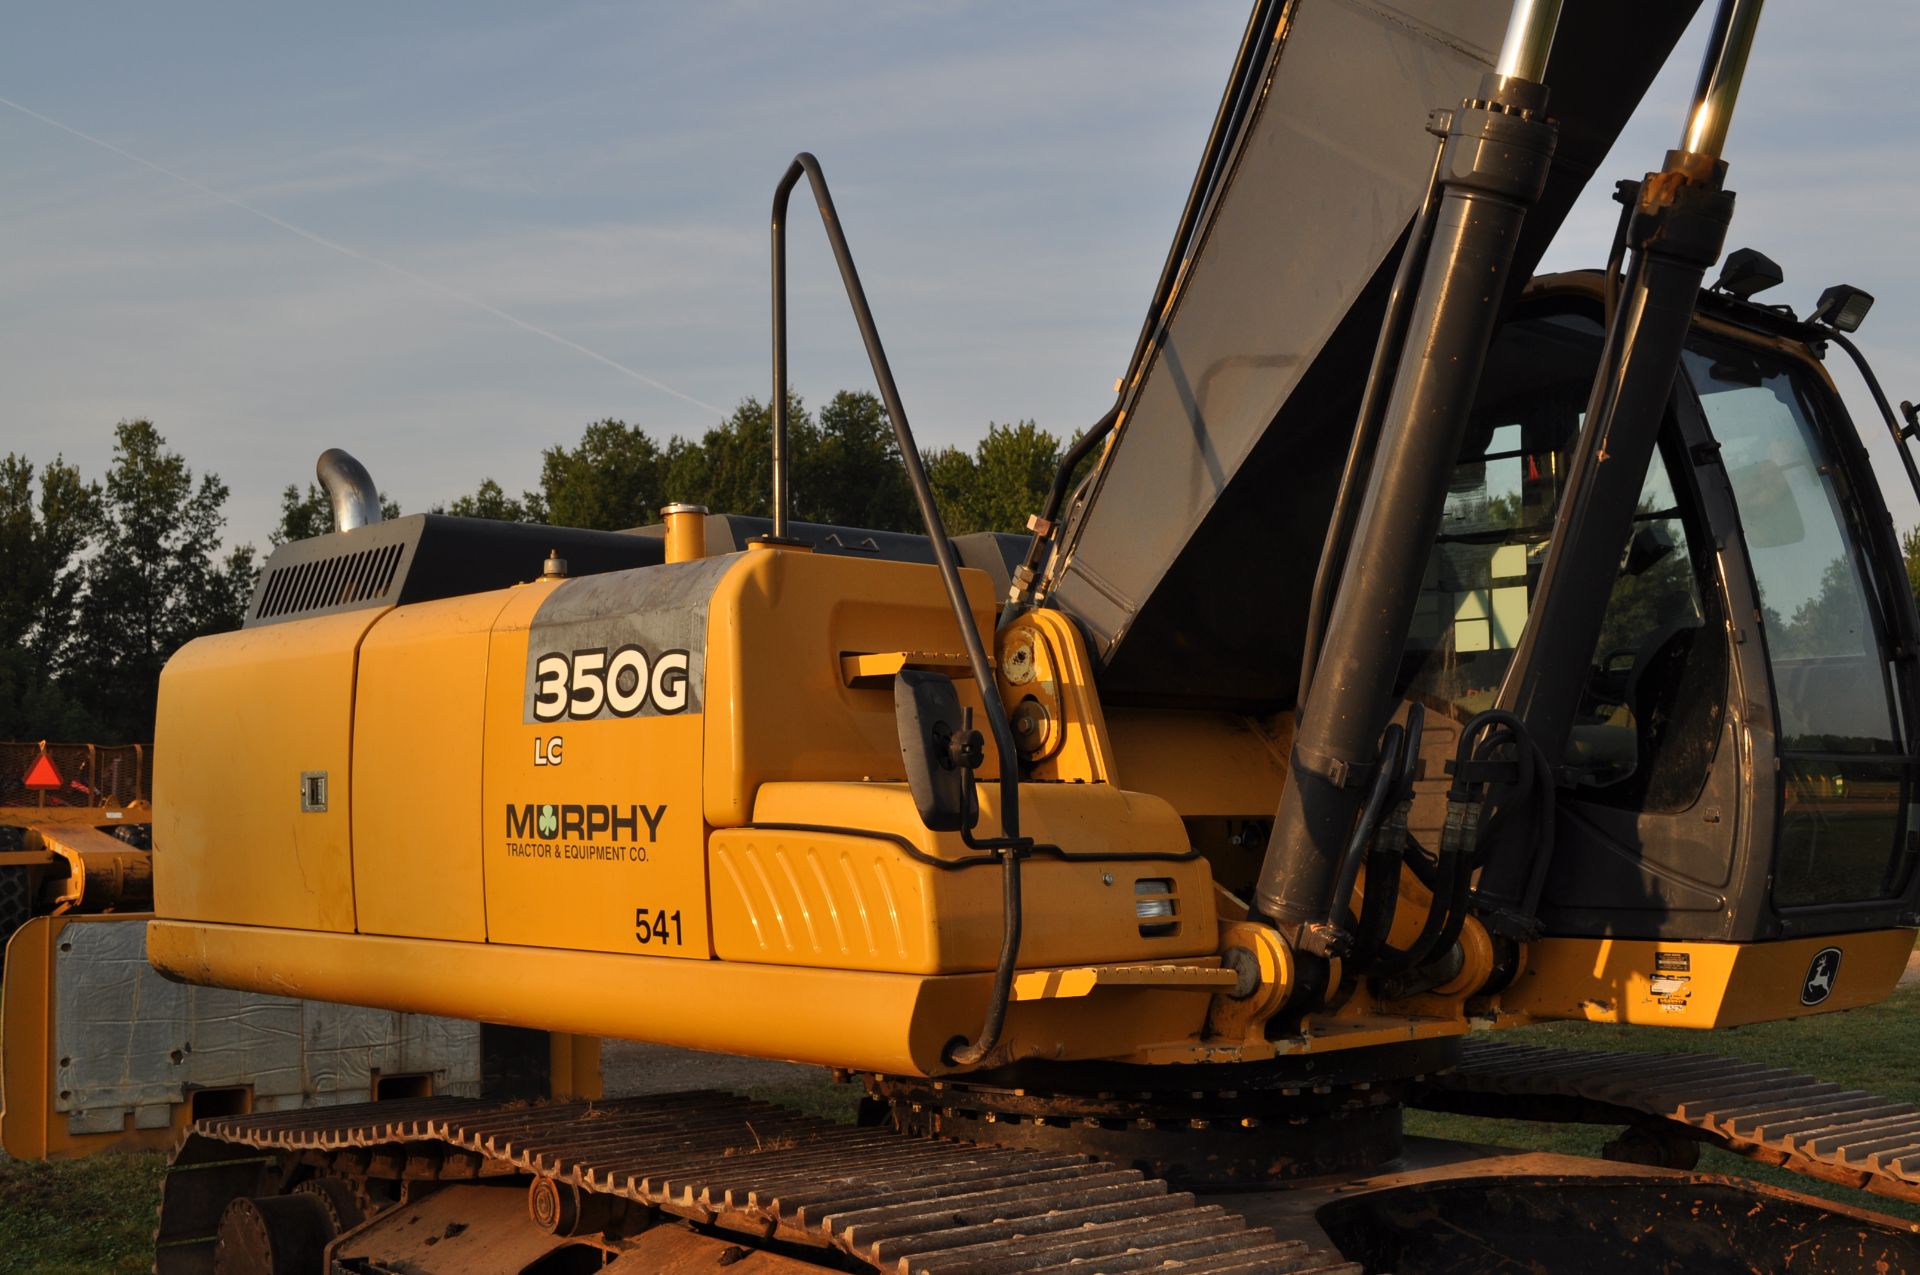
{"x": 1331, "y": 174}
{"x": 128, "y": 1040}
{"x": 1191, "y": 565}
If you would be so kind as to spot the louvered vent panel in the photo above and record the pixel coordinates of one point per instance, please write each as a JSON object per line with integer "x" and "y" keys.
{"x": 343, "y": 579}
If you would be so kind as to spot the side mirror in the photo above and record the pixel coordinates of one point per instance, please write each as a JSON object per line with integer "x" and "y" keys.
{"x": 940, "y": 747}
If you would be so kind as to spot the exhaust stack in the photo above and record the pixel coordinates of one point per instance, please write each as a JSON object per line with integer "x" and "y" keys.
{"x": 350, "y": 491}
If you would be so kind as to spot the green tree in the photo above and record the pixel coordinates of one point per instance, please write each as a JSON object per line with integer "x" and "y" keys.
{"x": 730, "y": 470}
{"x": 304, "y": 516}
{"x": 613, "y": 479}
{"x": 156, "y": 580}
{"x": 490, "y": 500}
{"x": 43, "y": 533}
{"x": 34, "y": 705}
{"x": 1830, "y": 623}
{"x": 1910, "y": 549}
{"x": 1000, "y": 484}
{"x": 850, "y": 473}
{"x": 846, "y": 470}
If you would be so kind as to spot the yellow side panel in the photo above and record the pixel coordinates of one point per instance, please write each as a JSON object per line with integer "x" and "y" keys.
{"x": 243, "y": 716}
{"x": 1703, "y": 985}
{"x": 1203, "y": 763}
{"x": 417, "y": 732}
{"x": 819, "y": 892}
{"x": 26, "y": 1105}
{"x": 867, "y": 1021}
{"x": 778, "y": 703}
{"x": 590, "y": 830}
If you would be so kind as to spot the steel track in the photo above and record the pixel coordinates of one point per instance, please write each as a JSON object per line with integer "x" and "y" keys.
{"x": 891, "y": 1203}
{"x": 1812, "y": 1127}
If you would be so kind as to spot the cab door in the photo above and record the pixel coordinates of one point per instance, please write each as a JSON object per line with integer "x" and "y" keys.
{"x": 1833, "y": 612}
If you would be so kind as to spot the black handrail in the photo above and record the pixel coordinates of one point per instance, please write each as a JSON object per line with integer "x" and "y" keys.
{"x": 1010, "y": 845}
{"x": 1900, "y": 436}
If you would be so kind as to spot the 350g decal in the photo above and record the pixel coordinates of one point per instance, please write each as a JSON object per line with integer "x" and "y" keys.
{"x": 581, "y": 685}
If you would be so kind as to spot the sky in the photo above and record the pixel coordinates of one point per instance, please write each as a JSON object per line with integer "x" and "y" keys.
{"x": 444, "y": 237}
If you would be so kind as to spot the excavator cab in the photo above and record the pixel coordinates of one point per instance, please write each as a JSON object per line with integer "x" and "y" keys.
{"x": 1741, "y": 765}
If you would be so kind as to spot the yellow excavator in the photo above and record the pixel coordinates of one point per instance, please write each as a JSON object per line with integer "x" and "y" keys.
{"x": 1414, "y": 651}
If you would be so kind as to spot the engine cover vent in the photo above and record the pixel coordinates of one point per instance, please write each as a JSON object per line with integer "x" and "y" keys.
{"x": 321, "y": 584}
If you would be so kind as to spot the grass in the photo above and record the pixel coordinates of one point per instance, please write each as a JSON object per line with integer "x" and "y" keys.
{"x": 97, "y": 1215}
{"x": 81, "y": 1217}
{"x": 1876, "y": 1048}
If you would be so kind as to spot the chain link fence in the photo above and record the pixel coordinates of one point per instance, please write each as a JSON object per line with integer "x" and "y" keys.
{"x": 89, "y": 774}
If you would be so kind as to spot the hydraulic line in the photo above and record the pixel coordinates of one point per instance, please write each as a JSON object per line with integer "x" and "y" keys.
{"x": 1386, "y": 860}
{"x": 1385, "y": 790}
{"x": 1044, "y": 526}
{"x": 1474, "y": 768}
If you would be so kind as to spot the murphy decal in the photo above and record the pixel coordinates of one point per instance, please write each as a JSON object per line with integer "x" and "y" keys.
{"x": 617, "y": 833}
{"x": 622, "y": 644}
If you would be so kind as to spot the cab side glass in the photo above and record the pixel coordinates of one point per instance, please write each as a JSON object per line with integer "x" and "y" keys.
{"x": 1651, "y": 711}
{"x": 1845, "y": 779}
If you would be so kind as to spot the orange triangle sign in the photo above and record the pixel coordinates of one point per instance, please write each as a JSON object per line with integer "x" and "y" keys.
{"x": 43, "y": 775}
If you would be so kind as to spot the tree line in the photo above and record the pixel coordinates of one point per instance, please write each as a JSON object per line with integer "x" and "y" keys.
{"x": 845, "y": 469}
{"x": 101, "y": 580}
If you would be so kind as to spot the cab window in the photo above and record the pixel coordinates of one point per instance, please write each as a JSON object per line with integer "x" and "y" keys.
{"x": 1650, "y": 711}
{"x": 1845, "y": 778}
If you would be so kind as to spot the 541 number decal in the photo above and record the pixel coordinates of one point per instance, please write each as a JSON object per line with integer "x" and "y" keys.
{"x": 656, "y": 926}
{"x": 582, "y": 685}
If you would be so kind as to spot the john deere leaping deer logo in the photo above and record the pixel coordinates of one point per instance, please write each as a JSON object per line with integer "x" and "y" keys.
{"x": 1820, "y": 975}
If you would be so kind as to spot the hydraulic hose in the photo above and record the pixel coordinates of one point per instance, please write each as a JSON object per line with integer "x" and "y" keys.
{"x": 1056, "y": 496}
{"x": 1386, "y": 860}
{"x": 1458, "y": 855}
{"x": 1386, "y": 785}
{"x": 1256, "y": 51}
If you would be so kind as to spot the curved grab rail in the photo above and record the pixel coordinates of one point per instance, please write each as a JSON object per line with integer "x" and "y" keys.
{"x": 1009, "y": 844}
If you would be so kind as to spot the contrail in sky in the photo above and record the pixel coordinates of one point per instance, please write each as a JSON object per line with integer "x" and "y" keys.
{"x": 451, "y": 294}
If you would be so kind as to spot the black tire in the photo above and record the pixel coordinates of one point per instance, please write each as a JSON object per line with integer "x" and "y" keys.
{"x": 16, "y": 906}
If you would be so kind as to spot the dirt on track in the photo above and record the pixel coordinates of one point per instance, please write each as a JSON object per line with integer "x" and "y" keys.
{"x": 628, "y": 1068}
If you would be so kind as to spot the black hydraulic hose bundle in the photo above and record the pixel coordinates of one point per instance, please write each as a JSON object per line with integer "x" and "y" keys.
{"x": 1385, "y": 790}
{"x": 1010, "y": 845}
{"x": 1477, "y": 768}
{"x": 1056, "y": 496}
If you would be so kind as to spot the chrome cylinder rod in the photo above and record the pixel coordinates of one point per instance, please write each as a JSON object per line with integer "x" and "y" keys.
{"x": 1721, "y": 71}
{"x": 1530, "y": 28}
